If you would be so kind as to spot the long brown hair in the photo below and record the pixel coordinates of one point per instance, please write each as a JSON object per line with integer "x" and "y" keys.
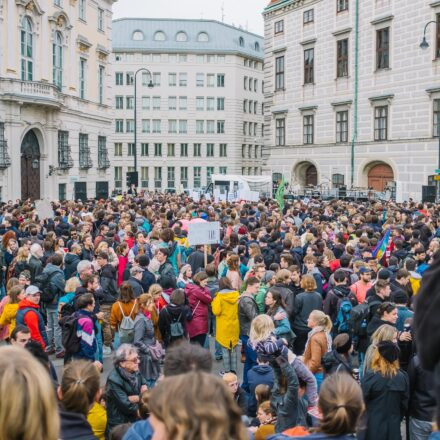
{"x": 126, "y": 292}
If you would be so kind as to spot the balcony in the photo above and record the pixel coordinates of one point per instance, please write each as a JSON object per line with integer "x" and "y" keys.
{"x": 30, "y": 92}
{"x": 5, "y": 160}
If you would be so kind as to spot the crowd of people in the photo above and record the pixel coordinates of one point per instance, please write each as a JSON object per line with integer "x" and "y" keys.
{"x": 320, "y": 316}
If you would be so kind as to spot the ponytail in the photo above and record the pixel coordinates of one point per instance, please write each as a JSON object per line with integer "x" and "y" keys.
{"x": 322, "y": 320}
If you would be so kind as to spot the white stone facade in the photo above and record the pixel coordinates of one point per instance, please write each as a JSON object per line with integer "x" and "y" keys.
{"x": 54, "y": 86}
{"x": 407, "y": 83}
{"x": 199, "y": 70}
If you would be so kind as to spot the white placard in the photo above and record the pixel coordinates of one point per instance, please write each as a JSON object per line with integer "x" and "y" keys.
{"x": 44, "y": 209}
{"x": 203, "y": 233}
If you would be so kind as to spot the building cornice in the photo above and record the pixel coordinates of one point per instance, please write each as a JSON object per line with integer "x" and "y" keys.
{"x": 432, "y": 90}
{"x": 381, "y": 20}
{"x": 308, "y": 108}
{"x": 341, "y": 103}
{"x": 381, "y": 97}
{"x": 435, "y": 4}
{"x": 342, "y": 31}
{"x": 308, "y": 41}
{"x": 280, "y": 49}
{"x": 287, "y": 5}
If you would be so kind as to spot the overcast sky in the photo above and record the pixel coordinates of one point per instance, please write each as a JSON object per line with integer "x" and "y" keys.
{"x": 245, "y": 13}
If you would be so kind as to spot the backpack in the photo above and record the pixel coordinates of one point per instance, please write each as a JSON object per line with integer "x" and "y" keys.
{"x": 69, "y": 336}
{"x": 68, "y": 308}
{"x": 126, "y": 327}
{"x": 360, "y": 316}
{"x": 176, "y": 327}
{"x": 348, "y": 275}
{"x": 344, "y": 308}
{"x": 42, "y": 281}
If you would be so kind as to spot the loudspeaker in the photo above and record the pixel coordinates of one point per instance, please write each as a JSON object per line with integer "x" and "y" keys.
{"x": 343, "y": 191}
{"x": 428, "y": 194}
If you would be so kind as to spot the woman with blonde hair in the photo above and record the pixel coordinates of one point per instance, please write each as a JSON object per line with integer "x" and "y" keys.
{"x": 254, "y": 251}
{"x": 28, "y": 409}
{"x": 9, "y": 314}
{"x": 319, "y": 342}
{"x": 195, "y": 405}
{"x": 185, "y": 275}
{"x": 386, "y": 391}
{"x": 67, "y": 300}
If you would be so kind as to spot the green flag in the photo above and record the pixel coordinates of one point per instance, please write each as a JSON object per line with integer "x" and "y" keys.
{"x": 279, "y": 195}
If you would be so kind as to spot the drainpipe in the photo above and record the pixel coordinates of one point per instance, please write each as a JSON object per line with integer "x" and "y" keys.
{"x": 356, "y": 89}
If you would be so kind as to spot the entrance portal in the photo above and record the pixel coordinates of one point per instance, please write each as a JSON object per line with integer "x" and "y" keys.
{"x": 30, "y": 167}
{"x": 379, "y": 175}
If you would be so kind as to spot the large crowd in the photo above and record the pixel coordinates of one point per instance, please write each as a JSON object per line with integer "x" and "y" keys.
{"x": 330, "y": 306}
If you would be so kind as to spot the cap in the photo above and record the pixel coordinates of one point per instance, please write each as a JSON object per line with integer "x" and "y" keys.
{"x": 136, "y": 269}
{"x": 32, "y": 290}
{"x": 363, "y": 270}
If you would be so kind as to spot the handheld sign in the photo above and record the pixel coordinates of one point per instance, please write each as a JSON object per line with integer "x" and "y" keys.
{"x": 44, "y": 209}
{"x": 203, "y": 233}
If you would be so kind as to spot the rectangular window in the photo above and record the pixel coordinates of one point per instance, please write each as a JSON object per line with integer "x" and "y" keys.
{"x": 172, "y": 126}
{"x": 183, "y": 103}
{"x": 156, "y": 126}
{"x": 144, "y": 177}
{"x": 209, "y": 173}
{"x": 209, "y": 150}
{"x": 62, "y": 191}
{"x": 381, "y": 123}
{"x": 223, "y": 150}
{"x": 157, "y": 177}
{"x": 85, "y": 161}
{"x": 82, "y": 78}
{"x": 119, "y": 102}
{"x": 245, "y": 106}
{"x": 146, "y": 126}
{"x": 200, "y": 79}
{"x": 210, "y": 104}
{"x": 244, "y": 128}
{"x": 280, "y": 132}
{"x": 308, "y": 126}
{"x": 119, "y": 126}
{"x": 158, "y": 150}
{"x": 220, "y": 127}
{"x": 103, "y": 161}
{"x": 129, "y": 125}
{"x": 145, "y": 79}
{"x": 129, "y": 102}
{"x": 200, "y": 103}
{"x": 183, "y": 126}
{"x": 342, "y": 58}
{"x": 436, "y": 124}
{"x": 118, "y": 177}
{"x": 308, "y": 16}
{"x": 118, "y": 149}
{"x": 119, "y": 78}
{"x": 184, "y": 177}
{"x": 210, "y": 127}
{"x": 337, "y": 180}
{"x": 100, "y": 19}
{"x": 156, "y": 79}
{"x": 223, "y": 170}
{"x": 172, "y": 102}
{"x": 183, "y": 79}
{"x": 171, "y": 177}
{"x": 245, "y": 81}
{"x": 82, "y": 10}
{"x": 197, "y": 177}
{"x": 437, "y": 52}
{"x": 183, "y": 150}
{"x": 210, "y": 80}
{"x": 129, "y": 78}
{"x": 220, "y": 80}
{"x": 171, "y": 150}
{"x": 309, "y": 65}
{"x": 220, "y": 104}
{"x": 172, "y": 79}
{"x": 144, "y": 149}
{"x": 145, "y": 103}
{"x": 342, "y": 126}
{"x": 130, "y": 150}
{"x": 279, "y": 27}
{"x": 341, "y": 5}
{"x": 200, "y": 127}
{"x": 156, "y": 102}
{"x": 279, "y": 73}
{"x": 383, "y": 48}
{"x": 197, "y": 152}
{"x": 101, "y": 76}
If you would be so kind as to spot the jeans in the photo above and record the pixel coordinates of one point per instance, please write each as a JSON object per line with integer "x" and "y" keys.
{"x": 419, "y": 429}
{"x": 53, "y": 331}
{"x": 319, "y": 378}
{"x": 98, "y": 353}
{"x": 218, "y": 348}
{"x": 230, "y": 359}
{"x": 251, "y": 361}
{"x": 106, "y": 329}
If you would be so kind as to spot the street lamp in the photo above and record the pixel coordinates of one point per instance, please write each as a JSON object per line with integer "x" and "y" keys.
{"x": 150, "y": 86}
{"x": 424, "y": 44}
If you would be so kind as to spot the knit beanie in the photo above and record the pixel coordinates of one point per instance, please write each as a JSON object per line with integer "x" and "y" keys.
{"x": 389, "y": 351}
{"x": 342, "y": 343}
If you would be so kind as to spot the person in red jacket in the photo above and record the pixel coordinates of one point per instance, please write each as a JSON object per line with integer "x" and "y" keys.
{"x": 199, "y": 298}
{"x": 29, "y": 315}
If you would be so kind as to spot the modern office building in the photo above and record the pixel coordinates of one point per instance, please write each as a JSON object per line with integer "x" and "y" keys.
{"x": 199, "y": 104}
{"x": 55, "y": 98}
{"x": 351, "y": 98}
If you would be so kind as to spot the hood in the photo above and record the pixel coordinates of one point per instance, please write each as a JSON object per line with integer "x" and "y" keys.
{"x": 415, "y": 275}
{"x": 24, "y": 303}
{"x": 263, "y": 369}
{"x": 71, "y": 258}
{"x": 50, "y": 269}
{"x": 174, "y": 310}
{"x": 342, "y": 290}
{"x": 230, "y": 296}
{"x": 192, "y": 288}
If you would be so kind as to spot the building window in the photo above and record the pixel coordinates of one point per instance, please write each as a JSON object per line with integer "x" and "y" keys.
{"x": 157, "y": 177}
{"x": 241, "y": 41}
{"x": 210, "y": 80}
{"x": 197, "y": 150}
{"x": 220, "y": 127}
{"x": 172, "y": 126}
{"x": 118, "y": 177}
{"x": 280, "y": 132}
{"x": 197, "y": 177}
{"x": 183, "y": 150}
{"x": 337, "y": 180}
{"x": 341, "y": 5}
{"x": 183, "y": 126}
{"x": 183, "y": 103}
{"x": 129, "y": 78}
{"x": 172, "y": 102}
{"x": 245, "y": 81}
{"x": 82, "y": 9}
{"x": 209, "y": 173}
{"x": 220, "y": 104}
{"x": 159, "y": 36}
{"x": 309, "y": 65}
{"x": 223, "y": 150}
{"x": 85, "y": 161}
{"x": 103, "y": 160}
{"x": 118, "y": 149}
{"x": 183, "y": 79}
{"x": 158, "y": 150}
{"x": 156, "y": 102}
{"x": 100, "y": 19}
{"x": 279, "y": 27}
{"x": 171, "y": 150}
{"x": 171, "y": 177}
{"x": 172, "y": 79}
{"x": 210, "y": 127}
{"x": 436, "y": 125}
{"x": 223, "y": 170}
{"x": 308, "y": 125}
{"x": 129, "y": 125}
{"x": 119, "y": 126}
{"x": 209, "y": 150}
{"x": 200, "y": 127}
{"x": 156, "y": 79}
{"x": 57, "y": 60}
{"x": 144, "y": 149}
{"x": 200, "y": 80}
{"x": 342, "y": 126}
{"x": 145, "y": 126}
{"x": 220, "y": 80}
{"x": 210, "y": 104}
{"x": 156, "y": 126}
{"x": 279, "y": 73}
{"x": 62, "y": 194}
{"x": 82, "y": 78}
{"x": 342, "y": 58}
{"x": 101, "y": 77}
{"x": 383, "y": 48}
{"x": 130, "y": 149}
{"x": 184, "y": 177}
{"x": 129, "y": 102}
{"x": 308, "y": 16}
{"x": 119, "y": 78}
{"x": 437, "y": 52}
{"x": 5, "y": 160}
{"x": 57, "y": 3}
{"x": 181, "y": 37}
{"x": 245, "y": 105}
{"x": 27, "y": 63}
{"x": 200, "y": 103}
{"x": 144, "y": 177}
{"x": 381, "y": 123}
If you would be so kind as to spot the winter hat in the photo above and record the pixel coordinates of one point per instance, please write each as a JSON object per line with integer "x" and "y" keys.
{"x": 267, "y": 277}
{"x": 400, "y": 297}
{"x": 342, "y": 343}
{"x": 389, "y": 351}
{"x": 384, "y": 274}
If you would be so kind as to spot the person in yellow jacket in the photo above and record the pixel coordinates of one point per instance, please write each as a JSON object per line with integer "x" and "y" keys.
{"x": 97, "y": 418}
{"x": 9, "y": 314}
{"x": 225, "y": 308}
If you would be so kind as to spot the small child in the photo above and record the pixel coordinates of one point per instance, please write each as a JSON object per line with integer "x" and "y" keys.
{"x": 263, "y": 340}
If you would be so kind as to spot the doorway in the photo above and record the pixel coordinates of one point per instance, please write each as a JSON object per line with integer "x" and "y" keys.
{"x": 379, "y": 175}
{"x": 30, "y": 167}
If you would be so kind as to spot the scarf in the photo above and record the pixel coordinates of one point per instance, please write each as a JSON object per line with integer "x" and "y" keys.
{"x": 131, "y": 378}
{"x": 314, "y": 331}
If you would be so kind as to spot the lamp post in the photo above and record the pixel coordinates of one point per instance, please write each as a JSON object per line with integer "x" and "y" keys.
{"x": 150, "y": 85}
{"x": 424, "y": 45}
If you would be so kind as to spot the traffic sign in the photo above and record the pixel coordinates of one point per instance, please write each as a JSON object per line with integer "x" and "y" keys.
{"x": 437, "y": 177}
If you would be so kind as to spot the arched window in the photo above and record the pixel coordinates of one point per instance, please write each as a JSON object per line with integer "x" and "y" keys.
{"x": 203, "y": 37}
{"x": 181, "y": 37}
{"x": 159, "y": 36}
{"x": 241, "y": 41}
{"x": 257, "y": 46}
{"x": 27, "y": 60}
{"x": 57, "y": 57}
{"x": 137, "y": 36}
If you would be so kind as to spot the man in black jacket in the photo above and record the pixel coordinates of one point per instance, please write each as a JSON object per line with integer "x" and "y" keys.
{"x": 167, "y": 277}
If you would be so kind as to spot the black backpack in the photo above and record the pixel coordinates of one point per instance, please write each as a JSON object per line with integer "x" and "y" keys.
{"x": 42, "y": 281}
{"x": 360, "y": 316}
{"x": 69, "y": 338}
{"x": 68, "y": 308}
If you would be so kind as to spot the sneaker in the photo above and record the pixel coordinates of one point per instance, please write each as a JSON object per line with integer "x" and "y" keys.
{"x": 219, "y": 358}
{"x": 106, "y": 351}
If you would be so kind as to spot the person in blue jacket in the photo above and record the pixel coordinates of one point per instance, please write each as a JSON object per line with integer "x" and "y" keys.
{"x": 261, "y": 374}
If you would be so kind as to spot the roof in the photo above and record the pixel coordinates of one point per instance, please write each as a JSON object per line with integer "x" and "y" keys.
{"x": 275, "y": 4}
{"x": 162, "y": 35}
